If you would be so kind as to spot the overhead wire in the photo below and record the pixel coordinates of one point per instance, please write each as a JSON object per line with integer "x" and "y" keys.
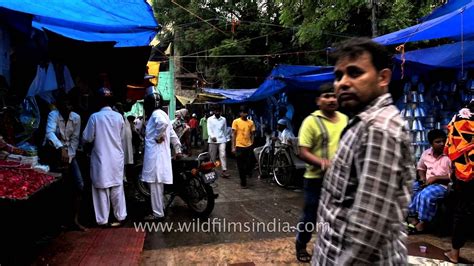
{"x": 245, "y": 40}
{"x": 197, "y": 16}
{"x": 249, "y": 55}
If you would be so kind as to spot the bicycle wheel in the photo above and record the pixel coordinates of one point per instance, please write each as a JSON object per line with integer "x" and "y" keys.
{"x": 282, "y": 168}
{"x": 265, "y": 162}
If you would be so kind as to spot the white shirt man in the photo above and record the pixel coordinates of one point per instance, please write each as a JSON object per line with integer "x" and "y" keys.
{"x": 105, "y": 129}
{"x": 216, "y": 129}
{"x": 157, "y": 169}
{"x": 62, "y": 134}
{"x": 284, "y": 134}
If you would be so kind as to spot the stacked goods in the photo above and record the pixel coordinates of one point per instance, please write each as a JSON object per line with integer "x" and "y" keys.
{"x": 17, "y": 182}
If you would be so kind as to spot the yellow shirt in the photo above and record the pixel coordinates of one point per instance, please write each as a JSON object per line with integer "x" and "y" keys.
{"x": 310, "y": 136}
{"x": 244, "y": 130}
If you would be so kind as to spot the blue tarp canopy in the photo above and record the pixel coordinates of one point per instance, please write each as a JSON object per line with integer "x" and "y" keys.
{"x": 446, "y": 26}
{"x": 444, "y": 56}
{"x": 128, "y": 23}
{"x": 274, "y": 83}
{"x": 449, "y": 7}
{"x": 233, "y": 94}
{"x": 309, "y": 82}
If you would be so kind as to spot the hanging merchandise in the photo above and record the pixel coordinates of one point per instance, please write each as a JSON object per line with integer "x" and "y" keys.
{"x": 432, "y": 107}
{"x": 413, "y": 110}
{"x": 29, "y": 118}
{"x": 68, "y": 81}
{"x": 43, "y": 83}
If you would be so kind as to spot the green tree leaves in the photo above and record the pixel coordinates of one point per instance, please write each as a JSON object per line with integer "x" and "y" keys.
{"x": 235, "y": 43}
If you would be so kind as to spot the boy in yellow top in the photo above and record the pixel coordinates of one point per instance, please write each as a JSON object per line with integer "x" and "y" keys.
{"x": 242, "y": 140}
{"x": 318, "y": 141}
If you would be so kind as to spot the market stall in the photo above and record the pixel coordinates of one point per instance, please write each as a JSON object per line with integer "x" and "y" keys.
{"x": 71, "y": 46}
{"x": 439, "y": 80}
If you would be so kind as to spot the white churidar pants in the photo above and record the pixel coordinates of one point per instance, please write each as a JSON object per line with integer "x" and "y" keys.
{"x": 102, "y": 198}
{"x": 156, "y": 190}
{"x": 213, "y": 147}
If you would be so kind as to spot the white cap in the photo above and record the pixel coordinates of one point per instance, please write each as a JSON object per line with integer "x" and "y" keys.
{"x": 282, "y": 122}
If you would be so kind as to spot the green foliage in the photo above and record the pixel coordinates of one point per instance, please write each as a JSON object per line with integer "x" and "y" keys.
{"x": 208, "y": 34}
{"x": 322, "y": 23}
{"x": 256, "y": 30}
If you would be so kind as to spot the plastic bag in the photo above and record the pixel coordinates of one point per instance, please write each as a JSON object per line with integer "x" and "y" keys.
{"x": 29, "y": 118}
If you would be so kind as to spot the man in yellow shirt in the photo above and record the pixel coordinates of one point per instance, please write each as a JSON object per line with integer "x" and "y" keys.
{"x": 318, "y": 141}
{"x": 243, "y": 131}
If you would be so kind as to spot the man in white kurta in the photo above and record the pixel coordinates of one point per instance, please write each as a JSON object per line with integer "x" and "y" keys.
{"x": 216, "y": 129}
{"x": 104, "y": 128}
{"x": 157, "y": 169}
{"x": 126, "y": 142}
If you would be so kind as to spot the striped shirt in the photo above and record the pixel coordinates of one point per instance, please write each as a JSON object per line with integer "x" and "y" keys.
{"x": 366, "y": 191}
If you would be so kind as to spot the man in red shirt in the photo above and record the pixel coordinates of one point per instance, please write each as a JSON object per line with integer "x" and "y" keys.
{"x": 193, "y": 123}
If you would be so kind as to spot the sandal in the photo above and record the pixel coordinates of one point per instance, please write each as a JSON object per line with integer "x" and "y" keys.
{"x": 303, "y": 256}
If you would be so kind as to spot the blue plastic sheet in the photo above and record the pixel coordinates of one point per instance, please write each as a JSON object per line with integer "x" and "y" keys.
{"x": 444, "y": 56}
{"x": 308, "y": 82}
{"x": 233, "y": 94}
{"x": 449, "y": 7}
{"x": 275, "y": 84}
{"x": 128, "y": 23}
{"x": 276, "y": 81}
{"x": 446, "y": 26}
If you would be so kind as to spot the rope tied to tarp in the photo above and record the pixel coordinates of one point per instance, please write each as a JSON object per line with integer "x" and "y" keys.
{"x": 401, "y": 49}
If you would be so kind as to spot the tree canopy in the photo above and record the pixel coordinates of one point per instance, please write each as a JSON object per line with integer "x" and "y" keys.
{"x": 235, "y": 43}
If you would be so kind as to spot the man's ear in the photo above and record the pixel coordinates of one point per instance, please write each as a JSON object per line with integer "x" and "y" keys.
{"x": 385, "y": 75}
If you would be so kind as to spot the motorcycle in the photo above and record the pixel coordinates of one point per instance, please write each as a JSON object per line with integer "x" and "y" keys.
{"x": 192, "y": 180}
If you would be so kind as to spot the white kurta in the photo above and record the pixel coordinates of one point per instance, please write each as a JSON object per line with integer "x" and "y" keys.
{"x": 104, "y": 128}
{"x": 157, "y": 157}
{"x": 127, "y": 143}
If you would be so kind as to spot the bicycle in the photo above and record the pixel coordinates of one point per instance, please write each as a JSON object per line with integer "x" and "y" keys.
{"x": 280, "y": 161}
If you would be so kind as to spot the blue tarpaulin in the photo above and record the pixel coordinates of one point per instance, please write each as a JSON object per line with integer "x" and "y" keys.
{"x": 446, "y": 26}
{"x": 274, "y": 83}
{"x": 128, "y": 23}
{"x": 309, "y": 82}
{"x": 444, "y": 56}
{"x": 449, "y": 7}
{"x": 233, "y": 94}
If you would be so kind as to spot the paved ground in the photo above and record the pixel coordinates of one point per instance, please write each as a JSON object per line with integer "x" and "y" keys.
{"x": 263, "y": 202}
{"x": 239, "y": 215}
{"x": 265, "y": 213}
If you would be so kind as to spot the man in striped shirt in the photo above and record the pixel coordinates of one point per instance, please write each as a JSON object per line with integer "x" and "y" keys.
{"x": 366, "y": 190}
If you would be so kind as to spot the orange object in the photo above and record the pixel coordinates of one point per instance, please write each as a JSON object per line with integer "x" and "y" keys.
{"x": 460, "y": 144}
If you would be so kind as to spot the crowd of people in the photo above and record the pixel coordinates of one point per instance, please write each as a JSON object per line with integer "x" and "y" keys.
{"x": 361, "y": 172}
{"x": 360, "y": 178}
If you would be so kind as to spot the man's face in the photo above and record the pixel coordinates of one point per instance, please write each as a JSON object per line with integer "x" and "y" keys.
{"x": 217, "y": 113}
{"x": 327, "y": 102}
{"x": 65, "y": 108}
{"x": 438, "y": 144}
{"x": 358, "y": 82}
{"x": 243, "y": 114}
